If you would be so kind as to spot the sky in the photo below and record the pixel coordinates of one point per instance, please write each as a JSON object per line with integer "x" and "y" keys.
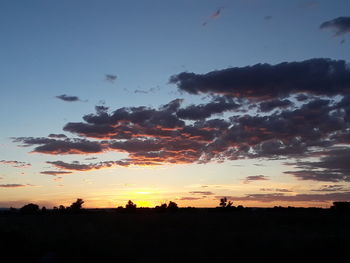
{"x": 186, "y": 101}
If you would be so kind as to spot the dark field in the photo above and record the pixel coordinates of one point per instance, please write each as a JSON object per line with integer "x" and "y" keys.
{"x": 196, "y": 235}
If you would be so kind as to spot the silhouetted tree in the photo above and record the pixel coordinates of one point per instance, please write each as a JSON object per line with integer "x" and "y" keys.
{"x": 224, "y": 203}
{"x": 341, "y": 206}
{"x": 43, "y": 210}
{"x": 240, "y": 207}
{"x": 30, "y": 209}
{"x": 77, "y": 205}
{"x": 161, "y": 208}
{"x": 172, "y": 206}
{"x": 130, "y": 206}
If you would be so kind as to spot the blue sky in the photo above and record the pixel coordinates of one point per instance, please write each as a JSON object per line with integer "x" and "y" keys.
{"x": 50, "y": 48}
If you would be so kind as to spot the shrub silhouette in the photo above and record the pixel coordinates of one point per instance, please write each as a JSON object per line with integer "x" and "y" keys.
{"x": 224, "y": 203}
{"x": 30, "y": 209}
{"x": 77, "y": 205}
{"x": 43, "y": 210}
{"x": 172, "y": 206}
{"x": 161, "y": 208}
{"x": 130, "y": 206}
{"x": 341, "y": 206}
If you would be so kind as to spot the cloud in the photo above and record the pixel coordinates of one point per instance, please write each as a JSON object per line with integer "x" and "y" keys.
{"x": 330, "y": 188}
{"x": 67, "y": 98}
{"x": 67, "y": 146}
{"x": 91, "y": 158}
{"x": 188, "y": 198}
{"x": 59, "y": 136}
{"x": 333, "y": 166}
{"x": 150, "y": 90}
{"x": 280, "y": 197}
{"x": 14, "y": 185}
{"x": 55, "y": 172}
{"x": 215, "y": 15}
{"x": 77, "y": 166}
{"x": 281, "y": 190}
{"x": 202, "y": 192}
{"x": 285, "y": 117}
{"x": 270, "y": 105}
{"x": 110, "y": 78}
{"x": 253, "y": 178}
{"x": 16, "y": 164}
{"x": 268, "y": 18}
{"x": 341, "y": 25}
{"x": 203, "y": 111}
{"x": 265, "y": 82}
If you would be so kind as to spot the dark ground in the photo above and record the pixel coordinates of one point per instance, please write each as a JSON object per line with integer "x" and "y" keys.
{"x": 186, "y": 235}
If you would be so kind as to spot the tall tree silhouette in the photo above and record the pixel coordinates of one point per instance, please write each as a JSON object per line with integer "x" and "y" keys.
{"x": 130, "y": 206}
{"x": 77, "y": 205}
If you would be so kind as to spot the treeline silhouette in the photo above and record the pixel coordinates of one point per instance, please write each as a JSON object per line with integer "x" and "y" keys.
{"x": 169, "y": 233}
{"x": 130, "y": 207}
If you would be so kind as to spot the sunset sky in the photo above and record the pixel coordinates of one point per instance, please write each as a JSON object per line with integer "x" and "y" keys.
{"x": 186, "y": 101}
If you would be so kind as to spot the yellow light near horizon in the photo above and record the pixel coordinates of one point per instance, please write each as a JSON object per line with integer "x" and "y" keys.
{"x": 144, "y": 203}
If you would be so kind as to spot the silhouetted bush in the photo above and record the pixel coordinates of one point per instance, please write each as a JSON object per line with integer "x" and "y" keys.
{"x": 172, "y": 207}
{"x": 341, "y": 206}
{"x": 77, "y": 205}
{"x": 30, "y": 209}
{"x": 43, "y": 210}
{"x": 130, "y": 206}
{"x": 161, "y": 208}
{"x": 224, "y": 203}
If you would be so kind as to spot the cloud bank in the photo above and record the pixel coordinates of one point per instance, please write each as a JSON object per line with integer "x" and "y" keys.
{"x": 291, "y": 110}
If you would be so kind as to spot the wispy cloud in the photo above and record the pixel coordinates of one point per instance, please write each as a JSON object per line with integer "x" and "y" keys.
{"x": 341, "y": 25}
{"x": 55, "y": 172}
{"x": 215, "y": 15}
{"x": 110, "y": 78}
{"x": 16, "y": 164}
{"x": 67, "y": 98}
{"x": 14, "y": 185}
{"x": 253, "y": 178}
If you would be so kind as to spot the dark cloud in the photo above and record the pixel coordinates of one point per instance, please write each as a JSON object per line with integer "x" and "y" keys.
{"x": 330, "y": 188}
{"x": 110, "y": 78}
{"x": 76, "y": 166}
{"x": 188, "y": 198}
{"x": 59, "y": 136}
{"x": 313, "y": 122}
{"x": 67, "y": 146}
{"x": 65, "y": 97}
{"x": 55, "y": 172}
{"x": 280, "y": 190}
{"x": 14, "y": 185}
{"x": 16, "y": 164}
{"x": 341, "y": 25}
{"x": 267, "y": 18}
{"x": 280, "y": 197}
{"x": 203, "y": 111}
{"x": 147, "y": 91}
{"x": 333, "y": 166}
{"x": 265, "y": 82}
{"x": 202, "y": 192}
{"x": 270, "y": 105}
{"x": 253, "y": 178}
